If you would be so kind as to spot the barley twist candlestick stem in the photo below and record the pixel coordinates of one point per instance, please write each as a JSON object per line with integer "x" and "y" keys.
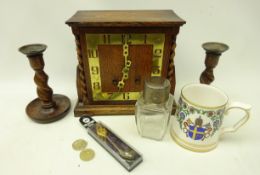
{"x": 213, "y": 52}
{"x": 47, "y": 107}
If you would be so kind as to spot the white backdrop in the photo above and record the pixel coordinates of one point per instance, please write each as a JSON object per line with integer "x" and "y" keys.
{"x": 29, "y": 148}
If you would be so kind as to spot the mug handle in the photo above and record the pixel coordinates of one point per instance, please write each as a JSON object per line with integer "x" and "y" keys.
{"x": 237, "y": 105}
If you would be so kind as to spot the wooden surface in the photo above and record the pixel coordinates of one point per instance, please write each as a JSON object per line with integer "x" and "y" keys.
{"x": 125, "y": 18}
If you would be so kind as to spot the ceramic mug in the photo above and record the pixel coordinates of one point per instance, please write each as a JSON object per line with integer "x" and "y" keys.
{"x": 197, "y": 124}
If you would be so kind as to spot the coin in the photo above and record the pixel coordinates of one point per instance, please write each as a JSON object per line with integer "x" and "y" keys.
{"x": 87, "y": 154}
{"x": 79, "y": 144}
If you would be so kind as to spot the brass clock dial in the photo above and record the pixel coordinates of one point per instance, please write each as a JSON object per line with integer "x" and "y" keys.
{"x": 119, "y": 63}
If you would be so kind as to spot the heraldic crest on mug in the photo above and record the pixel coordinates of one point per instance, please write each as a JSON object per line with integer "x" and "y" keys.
{"x": 197, "y": 124}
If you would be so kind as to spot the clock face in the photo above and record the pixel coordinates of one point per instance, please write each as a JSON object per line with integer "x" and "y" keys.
{"x": 119, "y": 63}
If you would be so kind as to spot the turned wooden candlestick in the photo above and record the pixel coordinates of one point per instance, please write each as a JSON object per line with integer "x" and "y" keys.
{"x": 47, "y": 107}
{"x": 213, "y": 52}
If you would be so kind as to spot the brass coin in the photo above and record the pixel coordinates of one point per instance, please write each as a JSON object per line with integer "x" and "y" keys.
{"x": 87, "y": 154}
{"x": 79, "y": 144}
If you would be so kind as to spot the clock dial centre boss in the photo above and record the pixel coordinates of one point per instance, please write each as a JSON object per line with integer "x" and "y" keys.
{"x": 116, "y": 51}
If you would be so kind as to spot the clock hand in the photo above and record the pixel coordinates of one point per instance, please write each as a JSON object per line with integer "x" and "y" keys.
{"x": 127, "y": 66}
{"x": 125, "y": 70}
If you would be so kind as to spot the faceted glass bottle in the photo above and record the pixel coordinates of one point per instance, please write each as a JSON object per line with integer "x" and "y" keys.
{"x": 153, "y": 108}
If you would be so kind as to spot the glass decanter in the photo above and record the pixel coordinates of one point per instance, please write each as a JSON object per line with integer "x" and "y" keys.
{"x": 154, "y": 107}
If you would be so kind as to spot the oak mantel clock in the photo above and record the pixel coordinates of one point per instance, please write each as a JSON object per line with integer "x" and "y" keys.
{"x": 116, "y": 51}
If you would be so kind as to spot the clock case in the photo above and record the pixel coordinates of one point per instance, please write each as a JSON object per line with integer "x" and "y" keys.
{"x": 120, "y": 22}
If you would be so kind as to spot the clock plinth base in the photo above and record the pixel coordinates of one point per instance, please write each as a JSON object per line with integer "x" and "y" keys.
{"x": 104, "y": 110}
{"x": 92, "y": 110}
{"x": 35, "y": 111}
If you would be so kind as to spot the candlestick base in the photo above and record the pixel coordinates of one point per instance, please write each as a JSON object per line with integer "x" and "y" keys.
{"x": 39, "y": 114}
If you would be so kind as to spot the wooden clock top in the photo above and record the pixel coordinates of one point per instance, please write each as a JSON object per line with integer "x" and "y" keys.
{"x": 124, "y": 18}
